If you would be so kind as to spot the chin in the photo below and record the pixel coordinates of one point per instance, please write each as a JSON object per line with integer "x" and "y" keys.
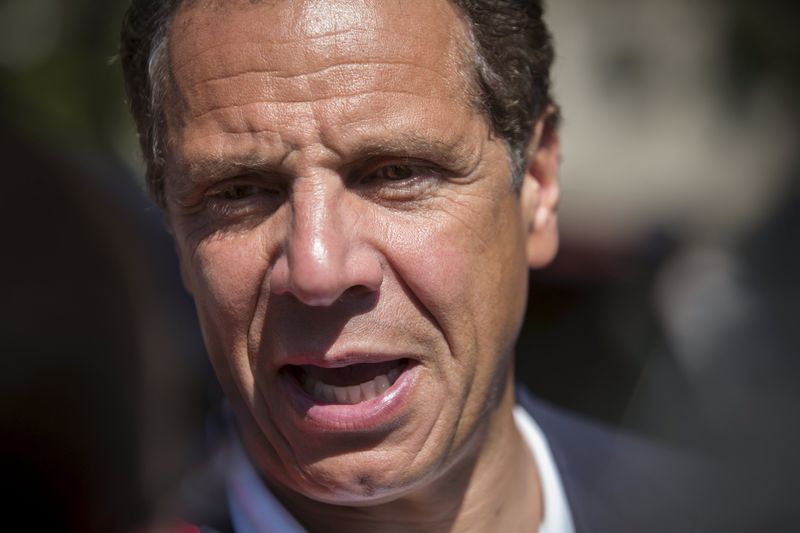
{"x": 357, "y": 488}
{"x": 358, "y": 481}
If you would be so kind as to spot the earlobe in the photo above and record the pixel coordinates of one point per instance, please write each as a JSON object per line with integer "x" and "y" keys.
{"x": 540, "y": 191}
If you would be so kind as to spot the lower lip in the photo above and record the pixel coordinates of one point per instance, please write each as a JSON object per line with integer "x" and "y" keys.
{"x": 369, "y": 415}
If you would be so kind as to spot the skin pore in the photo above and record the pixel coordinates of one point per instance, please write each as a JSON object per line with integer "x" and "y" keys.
{"x": 335, "y": 201}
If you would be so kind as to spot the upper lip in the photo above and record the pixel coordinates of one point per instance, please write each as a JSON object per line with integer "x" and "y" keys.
{"x": 338, "y": 360}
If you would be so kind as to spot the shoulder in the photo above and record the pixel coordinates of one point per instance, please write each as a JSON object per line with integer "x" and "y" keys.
{"x": 615, "y": 480}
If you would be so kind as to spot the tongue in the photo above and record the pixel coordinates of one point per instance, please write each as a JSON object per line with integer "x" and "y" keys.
{"x": 350, "y": 375}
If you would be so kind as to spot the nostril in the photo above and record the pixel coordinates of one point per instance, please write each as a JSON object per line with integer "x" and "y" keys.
{"x": 358, "y": 291}
{"x": 360, "y": 299}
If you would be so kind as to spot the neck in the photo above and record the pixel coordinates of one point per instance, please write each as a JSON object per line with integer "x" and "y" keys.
{"x": 494, "y": 487}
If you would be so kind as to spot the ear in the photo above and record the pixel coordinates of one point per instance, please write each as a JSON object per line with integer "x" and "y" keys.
{"x": 539, "y": 193}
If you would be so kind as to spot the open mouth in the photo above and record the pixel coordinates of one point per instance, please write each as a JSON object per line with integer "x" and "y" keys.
{"x": 348, "y": 385}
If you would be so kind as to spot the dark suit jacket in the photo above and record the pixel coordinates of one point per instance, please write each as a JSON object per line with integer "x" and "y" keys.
{"x": 615, "y": 482}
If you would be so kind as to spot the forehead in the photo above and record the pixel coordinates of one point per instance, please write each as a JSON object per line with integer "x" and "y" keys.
{"x": 289, "y": 38}
{"x": 260, "y": 80}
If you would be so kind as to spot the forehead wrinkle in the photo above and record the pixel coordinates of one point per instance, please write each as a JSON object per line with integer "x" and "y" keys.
{"x": 262, "y": 54}
{"x": 303, "y": 103}
{"x": 408, "y": 144}
{"x": 318, "y": 28}
{"x": 448, "y": 62}
{"x": 255, "y": 80}
{"x": 288, "y": 30}
{"x": 295, "y": 28}
{"x": 318, "y": 71}
{"x": 248, "y": 45}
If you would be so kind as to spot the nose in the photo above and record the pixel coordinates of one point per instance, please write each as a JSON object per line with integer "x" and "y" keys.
{"x": 326, "y": 254}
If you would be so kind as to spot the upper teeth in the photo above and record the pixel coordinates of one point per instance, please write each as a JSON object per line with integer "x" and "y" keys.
{"x": 352, "y": 394}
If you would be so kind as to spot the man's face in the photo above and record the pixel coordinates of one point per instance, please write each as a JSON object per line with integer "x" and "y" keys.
{"x": 347, "y": 226}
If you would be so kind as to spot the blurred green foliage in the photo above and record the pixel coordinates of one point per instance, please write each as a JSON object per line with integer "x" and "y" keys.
{"x": 59, "y": 81}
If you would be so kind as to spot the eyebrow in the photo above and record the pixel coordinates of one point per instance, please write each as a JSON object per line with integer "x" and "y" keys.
{"x": 212, "y": 168}
{"x": 452, "y": 155}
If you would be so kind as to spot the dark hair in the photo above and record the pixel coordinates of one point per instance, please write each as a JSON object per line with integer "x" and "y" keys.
{"x": 513, "y": 53}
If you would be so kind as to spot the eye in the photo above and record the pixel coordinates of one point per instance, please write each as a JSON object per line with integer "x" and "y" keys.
{"x": 240, "y": 199}
{"x": 402, "y": 174}
{"x": 397, "y": 172}
{"x": 236, "y": 192}
{"x": 400, "y": 180}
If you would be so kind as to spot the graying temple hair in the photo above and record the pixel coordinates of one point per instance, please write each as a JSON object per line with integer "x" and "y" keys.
{"x": 512, "y": 54}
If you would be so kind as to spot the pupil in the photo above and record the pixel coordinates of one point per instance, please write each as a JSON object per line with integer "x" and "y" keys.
{"x": 236, "y": 192}
{"x": 399, "y": 173}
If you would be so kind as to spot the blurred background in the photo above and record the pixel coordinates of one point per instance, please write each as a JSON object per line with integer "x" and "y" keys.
{"x": 672, "y": 309}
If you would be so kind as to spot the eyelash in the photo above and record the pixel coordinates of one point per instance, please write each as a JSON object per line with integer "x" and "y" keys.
{"x": 415, "y": 168}
{"x": 417, "y": 180}
{"x": 237, "y": 199}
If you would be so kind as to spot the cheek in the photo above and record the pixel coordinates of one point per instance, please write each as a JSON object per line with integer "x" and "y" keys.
{"x": 227, "y": 274}
{"x": 467, "y": 269}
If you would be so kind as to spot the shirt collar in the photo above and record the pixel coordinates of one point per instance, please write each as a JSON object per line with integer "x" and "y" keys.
{"x": 254, "y": 509}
